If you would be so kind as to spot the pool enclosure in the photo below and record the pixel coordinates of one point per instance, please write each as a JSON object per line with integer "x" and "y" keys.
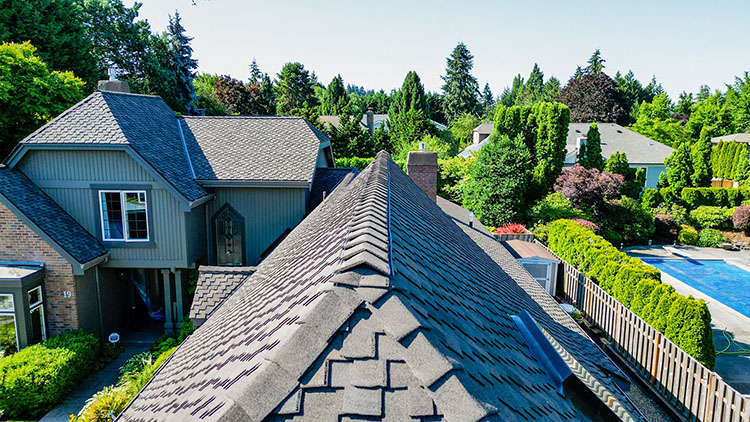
{"x": 21, "y": 306}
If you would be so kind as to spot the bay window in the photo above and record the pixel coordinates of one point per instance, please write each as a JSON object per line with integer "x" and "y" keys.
{"x": 124, "y": 215}
{"x": 8, "y": 337}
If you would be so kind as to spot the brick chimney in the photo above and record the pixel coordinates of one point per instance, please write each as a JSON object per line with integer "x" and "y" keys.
{"x": 422, "y": 167}
{"x": 370, "y": 121}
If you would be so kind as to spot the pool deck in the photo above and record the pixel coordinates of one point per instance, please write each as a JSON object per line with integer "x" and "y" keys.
{"x": 733, "y": 368}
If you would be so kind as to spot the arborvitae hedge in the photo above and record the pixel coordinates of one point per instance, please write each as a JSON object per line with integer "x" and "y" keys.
{"x": 714, "y": 197}
{"x": 684, "y": 320}
{"x": 728, "y": 160}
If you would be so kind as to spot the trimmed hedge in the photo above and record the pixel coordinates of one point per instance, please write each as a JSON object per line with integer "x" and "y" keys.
{"x": 688, "y": 235}
{"x": 712, "y": 217}
{"x": 685, "y": 321}
{"x": 357, "y": 162}
{"x": 714, "y": 197}
{"x": 38, "y": 377}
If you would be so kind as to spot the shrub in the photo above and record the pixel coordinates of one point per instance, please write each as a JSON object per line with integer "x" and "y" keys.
{"x": 540, "y": 232}
{"x": 613, "y": 237}
{"x": 678, "y": 212}
{"x": 512, "y": 228}
{"x": 36, "y": 378}
{"x": 588, "y": 188}
{"x": 586, "y": 223}
{"x": 688, "y": 235}
{"x": 638, "y": 286}
{"x": 715, "y": 197}
{"x": 711, "y": 217}
{"x": 357, "y": 162}
{"x": 554, "y": 207}
{"x": 741, "y": 218}
{"x": 628, "y": 218}
{"x": 710, "y": 238}
{"x": 665, "y": 227}
{"x": 651, "y": 198}
{"x": 452, "y": 176}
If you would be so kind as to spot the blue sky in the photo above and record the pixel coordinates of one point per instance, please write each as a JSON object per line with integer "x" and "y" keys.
{"x": 684, "y": 43}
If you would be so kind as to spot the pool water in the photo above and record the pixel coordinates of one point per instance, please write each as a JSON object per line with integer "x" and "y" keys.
{"x": 724, "y": 282}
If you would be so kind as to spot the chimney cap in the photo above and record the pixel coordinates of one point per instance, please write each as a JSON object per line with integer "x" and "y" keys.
{"x": 421, "y": 158}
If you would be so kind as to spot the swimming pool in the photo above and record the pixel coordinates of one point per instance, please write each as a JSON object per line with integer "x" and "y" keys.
{"x": 724, "y": 282}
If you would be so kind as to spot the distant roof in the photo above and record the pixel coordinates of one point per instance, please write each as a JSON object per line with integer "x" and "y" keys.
{"x": 735, "y": 137}
{"x": 214, "y": 285}
{"x": 252, "y": 148}
{"x": 639, "y": 149}
{"x": 484, "y": 128}
{"x": 523, "y": 249}
{"x": 49, "y": 217}
{"x": 377, "y": 306}
{"x": 143, "y": 122}
{"x": 325, "y": 181}
{"x": 335, "y": 121}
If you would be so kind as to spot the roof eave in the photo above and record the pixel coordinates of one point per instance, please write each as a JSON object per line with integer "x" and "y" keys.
{"x": 254, "y": 183}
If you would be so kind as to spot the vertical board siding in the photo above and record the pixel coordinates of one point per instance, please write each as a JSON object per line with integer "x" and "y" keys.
{"x": 267, "y": 213}
{"x": 699, "y": 393}
{"x": 195, "y": 233}
{"x": 167, "y": 229}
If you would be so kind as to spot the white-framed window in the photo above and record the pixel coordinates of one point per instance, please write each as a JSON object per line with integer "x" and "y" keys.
{"x": 124, "y": 215}
{"x": 36, "y": 311}
{"x": 8, "y": 328}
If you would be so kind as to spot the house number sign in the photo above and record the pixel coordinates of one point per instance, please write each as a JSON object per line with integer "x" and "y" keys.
{"x": 67, "y": 293}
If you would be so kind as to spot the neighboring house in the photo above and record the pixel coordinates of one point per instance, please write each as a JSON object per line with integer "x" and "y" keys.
{"x": 383, "y": 305}
{"x": 642, "y": 152}
{"x": 735, "y": 137}
{"x": 371, "y": 121}
{"x": 116, "y": 199}
{"x": 481, "y": 133}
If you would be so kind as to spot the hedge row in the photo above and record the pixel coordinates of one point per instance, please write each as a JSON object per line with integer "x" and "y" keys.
{"x": 36, "y": 378}
{"x": 715, "y": 197}
{"x": 685, "y": 321}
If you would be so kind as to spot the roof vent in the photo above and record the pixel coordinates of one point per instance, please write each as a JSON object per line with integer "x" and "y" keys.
{"x": 554, "y": 365}
{"x": 422, "y": 146}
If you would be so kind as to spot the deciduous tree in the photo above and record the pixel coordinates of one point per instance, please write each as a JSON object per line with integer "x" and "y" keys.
{"x": 593, "y": 97}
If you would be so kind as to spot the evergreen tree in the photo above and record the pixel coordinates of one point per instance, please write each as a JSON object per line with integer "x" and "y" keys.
{"x": 410, "y": 97}
{"x": 679, "y": 169}
{"x": 578, "y": 74}
{"x": 742, "y": 166}
{"x": 590, "y": 154}
{"x": 256, "y": 76}
{"x": 461, "y": 88}
{"x": 509, "y": 97}
{"x": 634, "y": 179}
{"x": 500, "y": 177}
{"x": 488, "y": 100}
{"x": 350, "y": 139}
{"x": 596, "y": 64}
{"x": 684, "y": 105}
{"x": 294, "y": 90}
{"x": 335, "y": 98}
{"x": 183, "y": 65}
{"x": 266, "y": 102}
{"x": 701, "y": 158}
{"x": 435, "y": 107}
{"x": 551, "y": 90}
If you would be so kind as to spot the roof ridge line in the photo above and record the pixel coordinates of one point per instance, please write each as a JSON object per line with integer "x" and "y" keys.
{"x": 367, "y": 245}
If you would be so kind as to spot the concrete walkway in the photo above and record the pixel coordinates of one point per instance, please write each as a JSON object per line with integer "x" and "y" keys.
{"x": 734, "y": 368}
{"x": 134, "y": 343}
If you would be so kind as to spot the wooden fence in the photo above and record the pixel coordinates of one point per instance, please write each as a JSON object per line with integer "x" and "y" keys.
{"x": 699, "y": 393}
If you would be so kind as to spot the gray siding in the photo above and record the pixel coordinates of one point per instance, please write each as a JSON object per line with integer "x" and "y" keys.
{"x": 87, "y": 302}
{"x": 66, "y": 177}
{"x": 195, "y": 234}
{"x": 267, "y": 213}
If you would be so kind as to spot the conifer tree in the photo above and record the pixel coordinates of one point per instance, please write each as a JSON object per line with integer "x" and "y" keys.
{"x": 183, "y": 65}
{"x": 461, "y": 88}
{"x": 596, "y": 64}
{"x": 590, "y": 155}
{"x": 701, "y": 156}
{"x": 488, "y": 100}
{"x": 294, "y": 90}
{"x": 266, "y": 102}
{"x": 679, "y": 169}
{"x": 335, "y": 98}
{"x": 410, "y": 97}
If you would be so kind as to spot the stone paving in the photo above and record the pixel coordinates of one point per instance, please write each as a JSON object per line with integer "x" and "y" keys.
{"x": 733, "y": 367}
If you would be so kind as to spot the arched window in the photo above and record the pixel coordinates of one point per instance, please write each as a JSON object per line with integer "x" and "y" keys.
{"x": 229, "y": 232}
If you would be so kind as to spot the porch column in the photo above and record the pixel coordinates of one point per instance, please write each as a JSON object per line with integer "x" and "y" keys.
{"x": 178, "y": 296}
{"x": 168, "y": 321}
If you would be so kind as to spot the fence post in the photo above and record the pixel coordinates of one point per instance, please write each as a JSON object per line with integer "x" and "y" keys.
{"x": 708, "y": 414}
{"x": 657, "y": 353}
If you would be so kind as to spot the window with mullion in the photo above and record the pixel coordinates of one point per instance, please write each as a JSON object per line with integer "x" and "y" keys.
{"x": 124, "y": 216}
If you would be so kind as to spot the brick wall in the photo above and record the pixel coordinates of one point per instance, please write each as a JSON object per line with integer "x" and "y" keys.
{"x": 422, "y": 167}
{"x": 18, "y": 242}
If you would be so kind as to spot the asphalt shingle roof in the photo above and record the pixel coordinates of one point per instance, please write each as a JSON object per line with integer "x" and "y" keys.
{"x": 639, "y": 149}
{"x": 378, "y": 307}
{"x": 252, "y": 148}
{"x": 326, "y": 180}
{"x": 214, "y": 285}
{"x": 144, "y": 122}
{"x": 49, "y": 217}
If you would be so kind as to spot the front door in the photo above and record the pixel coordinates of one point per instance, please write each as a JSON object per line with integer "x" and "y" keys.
{"x": 229, "y": 233}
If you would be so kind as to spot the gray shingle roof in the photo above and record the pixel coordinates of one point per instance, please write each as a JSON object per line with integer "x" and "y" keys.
{"x": 484, "y": 128}
{"x": 735, "y": 137}
{"x": 639, "y": 149}
{"x": 377, "y": 306}
{"x": 143, "y": 122}
{"x": 252, "y": 148}
{"x": 49, "y": 217}
{"x": 214, "y": 285}
{"x": 325, "y": 181}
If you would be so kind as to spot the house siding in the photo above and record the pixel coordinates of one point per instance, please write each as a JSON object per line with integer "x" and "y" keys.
{"x": 87, "y": 302}
{"x": 68, "y": 176}
{"x": 18, "y": 242}
{"x": 195, "y": 234}
{"x": 267, "y": 213}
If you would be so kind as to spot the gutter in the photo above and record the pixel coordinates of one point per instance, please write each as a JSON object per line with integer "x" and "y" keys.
{"x": 94, "y": 262}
